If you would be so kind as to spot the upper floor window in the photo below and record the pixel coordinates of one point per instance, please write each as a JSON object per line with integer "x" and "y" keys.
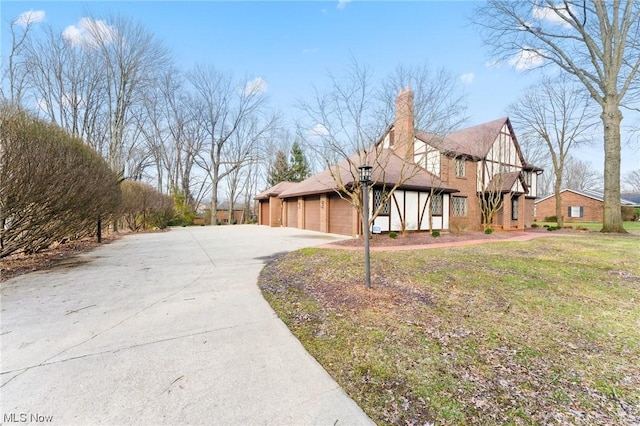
{"x": 460, "y": 168}
{"x": 436, "y": 205}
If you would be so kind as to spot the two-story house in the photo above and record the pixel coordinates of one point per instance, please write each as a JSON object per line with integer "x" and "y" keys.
{"x": 462, "y": 177}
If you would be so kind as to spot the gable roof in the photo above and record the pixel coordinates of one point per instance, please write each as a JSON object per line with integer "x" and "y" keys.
{"x": 478, "y": 140}
{"x": 507, "y": 181}
{"x": 590, "y": 193}
{"x": 388, "y": 169}
{"x": 632, "y": 197}
{"x": 275, "y": 190}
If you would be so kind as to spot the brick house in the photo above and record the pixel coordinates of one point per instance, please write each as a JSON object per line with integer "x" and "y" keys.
{"x": 447, "y": 176}
{"x": 577, "y": 205}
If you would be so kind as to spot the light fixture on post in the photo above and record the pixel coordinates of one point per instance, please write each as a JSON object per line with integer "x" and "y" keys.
{"x": 365, "y": 179}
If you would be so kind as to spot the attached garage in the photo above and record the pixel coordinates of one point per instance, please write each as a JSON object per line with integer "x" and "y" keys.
{"x": 264, "y": 212}
{"x": 340, "y": 216}
{"x": 270, "y": 205}
{"x": 312, "y": 213}
{"x": 292, "y": 213}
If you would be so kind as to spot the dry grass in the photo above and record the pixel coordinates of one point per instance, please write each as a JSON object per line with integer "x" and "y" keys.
{"x": 546, "y": 331}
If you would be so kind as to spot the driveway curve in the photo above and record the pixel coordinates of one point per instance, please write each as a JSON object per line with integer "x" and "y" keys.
{"x": 166, "y": 328}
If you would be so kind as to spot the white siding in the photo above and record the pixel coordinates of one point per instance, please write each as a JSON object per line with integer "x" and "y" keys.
{"x": 426, "y": 157}
{"x": 387, "y": 140}
{"x": 396, "y": 216}
{"x": 412, "y": 204}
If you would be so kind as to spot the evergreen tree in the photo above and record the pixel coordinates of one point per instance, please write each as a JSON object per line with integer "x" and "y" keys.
{"x": 299, "y": 167}
{"x": 279, "y": 170}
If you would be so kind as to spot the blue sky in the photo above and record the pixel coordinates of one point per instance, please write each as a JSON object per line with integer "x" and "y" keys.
{"x": 292, "y": 45}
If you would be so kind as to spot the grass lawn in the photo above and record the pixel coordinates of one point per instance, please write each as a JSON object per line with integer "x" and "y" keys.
{"x": 538, "y": 332}
{"x": 633, "y": 227}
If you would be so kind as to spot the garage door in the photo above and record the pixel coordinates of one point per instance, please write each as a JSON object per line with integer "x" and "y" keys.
{"x": 340, "y": 216}
{"x": 312, "y": 213}
{"x": 292, "y": 213}
{"x": 264, "y": 212}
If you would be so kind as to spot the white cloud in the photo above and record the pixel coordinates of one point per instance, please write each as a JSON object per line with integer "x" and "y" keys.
{"x": 526, "y": 60}
{"x": 255, "y": 86}
{"x": 319, "y": 130}
{"x": 467, "y": 78}
{"x": 342, "y": 3}
{"x": 30, "y": 17}
{"x": 89, "y": 33}
{"x": 552, "y": 15}
{"x": 310, "y": 51}
{"x": 72, "y": 34}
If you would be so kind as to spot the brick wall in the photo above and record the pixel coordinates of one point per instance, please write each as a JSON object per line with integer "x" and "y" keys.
{"x": 467, "y": 187}
{"x": 591, "y": 212}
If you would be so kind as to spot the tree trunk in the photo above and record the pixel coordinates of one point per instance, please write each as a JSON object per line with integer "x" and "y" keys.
{"x": 612, "y": 217}
{"x": 214, "y": 203}
{"x": 556, "y": 190}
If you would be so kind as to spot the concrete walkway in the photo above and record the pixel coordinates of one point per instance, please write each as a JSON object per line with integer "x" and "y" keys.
{"x": 165, "y": 328}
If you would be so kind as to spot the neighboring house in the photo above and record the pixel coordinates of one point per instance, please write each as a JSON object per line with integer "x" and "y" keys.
{"x": 448, "y": 175}
{"x": 238, "y": 216}
{"x": 577, "y": 205}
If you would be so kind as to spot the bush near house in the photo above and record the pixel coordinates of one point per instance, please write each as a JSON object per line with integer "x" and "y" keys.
{"x": 53, "y": 188}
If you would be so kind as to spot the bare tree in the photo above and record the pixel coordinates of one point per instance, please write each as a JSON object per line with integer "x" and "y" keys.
{"x": 632, "y": 181}
{"x": 342, "y": 126}
{"x": 225, "y": 110}
{"x": 17, "y": 69}
{"x": 132, "y": 60}
{"x": 498, "y": 181}
{"x": 581, "y": 175}
{"x": 439, "y": 101}
{"x": 555, "y": 114}
{"x": 596, "y": 42}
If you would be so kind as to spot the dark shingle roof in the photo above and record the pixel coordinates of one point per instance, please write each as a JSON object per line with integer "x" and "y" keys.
{"x": 275, "y": 190}
{"x": 388, "y": 169}
{"x": 625, "y": 199}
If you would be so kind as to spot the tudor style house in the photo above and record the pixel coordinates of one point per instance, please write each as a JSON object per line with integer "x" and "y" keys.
{"x": 439, "y": 181}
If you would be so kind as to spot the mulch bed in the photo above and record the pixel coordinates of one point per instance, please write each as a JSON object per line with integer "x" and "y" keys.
{"x": 423, "y": 238}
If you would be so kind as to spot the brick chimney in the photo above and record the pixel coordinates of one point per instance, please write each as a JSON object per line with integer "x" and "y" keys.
{"x": 403, "y": 136}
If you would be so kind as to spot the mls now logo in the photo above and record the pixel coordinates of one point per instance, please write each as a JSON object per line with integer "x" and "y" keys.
{"x": 26, "y": 417}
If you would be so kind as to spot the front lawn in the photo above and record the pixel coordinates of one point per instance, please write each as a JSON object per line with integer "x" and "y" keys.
{"x": 633, "y": 227}
{"x": 539, "y": 332}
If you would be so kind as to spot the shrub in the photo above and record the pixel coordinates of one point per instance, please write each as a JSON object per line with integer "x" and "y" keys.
{"x": 488, "y": 231}
{"x": 628, "y": 213}
{"x": 144, "y": 207}
{"x": 551, "y": 219}
{"x": 185, "y": 214}
{"x": 393, "y": 234}
{"x": 53, "y": 187}
{"x": 435, "y": 234}
{"x": 535, "y": 225}
{"x": 552, "y": 228}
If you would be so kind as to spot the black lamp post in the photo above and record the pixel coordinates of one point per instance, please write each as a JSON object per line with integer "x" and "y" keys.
{"x": 365, "y": 179}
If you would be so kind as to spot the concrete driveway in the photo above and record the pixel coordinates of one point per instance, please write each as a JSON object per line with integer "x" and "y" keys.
{"x": 166, "y": 328}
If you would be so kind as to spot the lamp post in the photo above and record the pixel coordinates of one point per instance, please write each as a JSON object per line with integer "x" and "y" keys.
{"x": 365, "y": 179}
